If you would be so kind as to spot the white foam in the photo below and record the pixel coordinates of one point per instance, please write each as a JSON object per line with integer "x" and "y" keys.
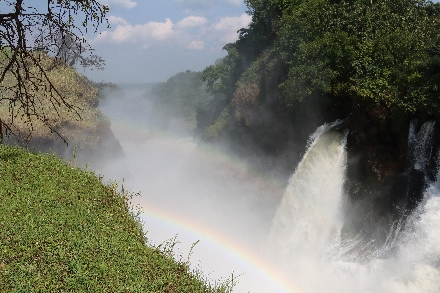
{"x": 305, "y": 240}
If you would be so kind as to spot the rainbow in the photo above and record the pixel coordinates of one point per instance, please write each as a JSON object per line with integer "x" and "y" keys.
{"x": 228, "y": 246}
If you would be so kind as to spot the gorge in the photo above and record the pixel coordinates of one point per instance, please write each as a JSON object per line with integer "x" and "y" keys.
{"x": 326, "y": 231}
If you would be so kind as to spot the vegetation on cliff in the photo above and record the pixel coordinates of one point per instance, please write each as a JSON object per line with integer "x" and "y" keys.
{"x": 35, "y": 40}
{"x": 300, "y": 63}
{"x": 51, "y": 126}
{"x": 376, "y": 60}
{"x": 80, "y": 122}
{"x": 178, "y": 98}
{"x": 63, "y": 230}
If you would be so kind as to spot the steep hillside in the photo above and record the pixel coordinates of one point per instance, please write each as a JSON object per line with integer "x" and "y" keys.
{"x": 63, "y": 230}
{"x": 59, "y": 128}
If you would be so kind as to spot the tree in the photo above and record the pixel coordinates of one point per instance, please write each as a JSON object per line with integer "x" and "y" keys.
{"x": 33, "y": 41}
{"x": 346, "y": 54}
{"x": 72, "y": 50}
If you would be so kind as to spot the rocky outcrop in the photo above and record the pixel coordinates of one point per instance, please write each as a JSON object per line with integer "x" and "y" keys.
{"x": 82, "y": 130}
{"x": 389, "y": 167}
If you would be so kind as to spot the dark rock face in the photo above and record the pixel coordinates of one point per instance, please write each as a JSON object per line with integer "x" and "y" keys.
{"x": 416, "y": 183}
{"x": 275, "y": 134}
{"x": 385, "y": 180}
{"x": 383, "y": 183}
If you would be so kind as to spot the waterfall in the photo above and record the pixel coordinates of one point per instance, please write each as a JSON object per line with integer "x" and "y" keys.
{"x": 310, "y": 211}
{"x": 305, "y": 244}
{"x": 437, "y": 176}
{"x": 420, "y": 144}
{"x": 418, "y": 256}
{"x": 419, "y": 248}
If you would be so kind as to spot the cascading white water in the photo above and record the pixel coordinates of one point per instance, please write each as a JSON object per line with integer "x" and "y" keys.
{"x": 437, "y": 178}
{"x": 313, "y": 197}
{"x": 419, "y": 250}
{"x": 309, "y": 216}
{"x": 420, "y": 144}
{"x": 305, "y": 241}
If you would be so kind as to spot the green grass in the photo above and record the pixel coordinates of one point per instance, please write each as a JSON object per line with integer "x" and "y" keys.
{"x": 62, "y": 230}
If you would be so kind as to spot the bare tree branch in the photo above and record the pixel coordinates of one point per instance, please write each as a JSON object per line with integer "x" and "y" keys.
{"x": 34, "y": 41}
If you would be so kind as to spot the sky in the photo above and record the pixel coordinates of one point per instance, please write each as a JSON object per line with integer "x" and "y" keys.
{"x": 151, "y": 40}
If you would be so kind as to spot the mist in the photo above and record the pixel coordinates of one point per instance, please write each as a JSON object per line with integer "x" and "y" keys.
{"x": 194, "y": 192}
{"x": 269, "y": 234}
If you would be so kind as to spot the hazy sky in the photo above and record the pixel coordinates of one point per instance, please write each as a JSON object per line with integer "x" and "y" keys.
{"x": 151, "y": 40}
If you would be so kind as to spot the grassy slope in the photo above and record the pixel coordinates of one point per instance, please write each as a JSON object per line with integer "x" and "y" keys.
{"x": 62, "y": 230}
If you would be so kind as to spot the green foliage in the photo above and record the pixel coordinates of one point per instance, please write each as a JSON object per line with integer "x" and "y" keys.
{"x": 62, "y": 230}
{"x": 221, "y": 76}
{"x": 247, "y": 95}
{"x": 208, "y": 114}
{"x": 367, "y": 50}
{"x": 179, "y": 97}
{"x": 222, "y": 83}
{"x": 350, "y": 54}
{"x": 212, "y": 132}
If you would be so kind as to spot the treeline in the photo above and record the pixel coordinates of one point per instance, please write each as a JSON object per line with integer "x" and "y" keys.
{"x": 178, "y": 98}
{"x": 300, "y": 63}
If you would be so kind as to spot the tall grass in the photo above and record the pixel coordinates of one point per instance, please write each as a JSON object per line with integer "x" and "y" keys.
{"x": 63, "y": 230}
